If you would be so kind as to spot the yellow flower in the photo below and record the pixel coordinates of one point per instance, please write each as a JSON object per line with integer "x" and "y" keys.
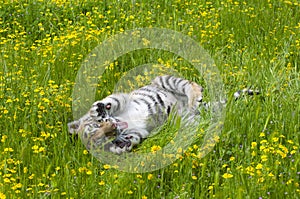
{"x": 283, "y": 155}
{"x": 264, "y": 158}
{"x": 282, "y": 136}
{"x": 271, "y": 174}
{"x": 263, "y": 141}
{"x": 227, "y": 175}
{"x": 155, "y": 148}
{"x": 6, "y": 180}
{"x": 82, "y": 169}
{"x": 129, "y": 192}
{"x": 290, "y": 141}
{"x": 89, "y": 172}
{"x": 253, "y": 145}
{"x": 106, "y": 166}
{"x": 4, "y": 137}
{"x": 293, "y": 152}
{"x": 194, "y": 177}
{"x": 224, "y": 165}
{"x": 2, "y": 195}
{"x": 31, "y": 176}
{"x": 85, "y": 152}
{"x": 101, "y": 183}
{"x": 262, "y": 135}
{"x": 260, "y": 180}
{"x": 259, "y": 166}
{"x": 8, "y": 150}
{"x": 18, "y": 186}
{"x": 144, "y": 197}
{"x": 9, "y": 101}
{"x": 289, "y": 181}
{"x": 150, "y": 176}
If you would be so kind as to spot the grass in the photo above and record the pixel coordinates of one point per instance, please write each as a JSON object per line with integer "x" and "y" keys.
{"x": 254, "y": 43}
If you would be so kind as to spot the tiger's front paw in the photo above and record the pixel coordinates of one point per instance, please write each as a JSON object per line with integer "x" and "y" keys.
{"x": 99, "y": 110}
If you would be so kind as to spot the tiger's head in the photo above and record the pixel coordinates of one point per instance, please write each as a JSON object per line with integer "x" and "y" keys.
{"x": 96, "y": 134}
{"x": 93, "y": 133}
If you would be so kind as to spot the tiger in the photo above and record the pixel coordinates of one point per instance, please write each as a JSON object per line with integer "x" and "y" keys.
{"x": 134, "y": 115}
{"x": 121, "y": 121}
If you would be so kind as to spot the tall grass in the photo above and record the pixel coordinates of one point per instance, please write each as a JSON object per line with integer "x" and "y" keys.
{"x": 254, "y": 43}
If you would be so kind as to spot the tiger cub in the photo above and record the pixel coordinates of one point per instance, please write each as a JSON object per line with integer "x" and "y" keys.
{"x": 136, "y": 114}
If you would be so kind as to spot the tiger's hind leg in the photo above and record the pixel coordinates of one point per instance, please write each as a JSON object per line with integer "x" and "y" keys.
{"x": 182, "y": 89}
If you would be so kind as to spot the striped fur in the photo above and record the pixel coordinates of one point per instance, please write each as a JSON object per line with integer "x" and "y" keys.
{"x": 129, "y": 118}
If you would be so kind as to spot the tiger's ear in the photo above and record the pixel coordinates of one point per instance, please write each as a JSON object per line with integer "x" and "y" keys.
{"x": 73, "y": 127}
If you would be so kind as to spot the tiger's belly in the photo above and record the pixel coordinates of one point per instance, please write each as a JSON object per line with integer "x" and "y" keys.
{"x": 146, "y": 114}
{"x": 135, "y": 117}
{"x": 148, "y": 108}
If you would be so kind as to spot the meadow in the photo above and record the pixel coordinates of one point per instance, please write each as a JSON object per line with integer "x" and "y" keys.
{"x": 253, "y": 43}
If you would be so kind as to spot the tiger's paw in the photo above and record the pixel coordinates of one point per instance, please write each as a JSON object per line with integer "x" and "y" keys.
{"x": 122, "y": 143}
{"x": 99, "y": 110}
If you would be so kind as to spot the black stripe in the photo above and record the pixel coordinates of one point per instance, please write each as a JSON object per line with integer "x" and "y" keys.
{"x": 184, "y": 88}
{"x": 151, "y": 97}
{"x": 168, "y": 110}
{"x": 161, "y": 102}
{"x": 158, "y": 102}
{"x": 146, "y": 95}
{"x": 117, "y": 101}
{"x": 172, "y": 83}
{"x": 146, "y": 89}
{"x": 179, "y": 81}
{"x": 136, "y": 101}
{"x": 162, "y": 92}
{"x": 148, "y": 105}
{"x": 162, "y": 82}
{"x": 168, "y": 82}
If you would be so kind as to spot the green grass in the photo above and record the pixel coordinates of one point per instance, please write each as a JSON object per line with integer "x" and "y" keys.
{"x": 254, "y": 43}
